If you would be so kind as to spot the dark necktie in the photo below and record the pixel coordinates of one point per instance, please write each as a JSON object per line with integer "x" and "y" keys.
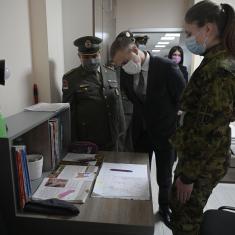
{"x": 140, "y": 87}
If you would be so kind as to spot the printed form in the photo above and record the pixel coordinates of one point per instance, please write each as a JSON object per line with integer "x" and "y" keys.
{"x": 125, "y": 181}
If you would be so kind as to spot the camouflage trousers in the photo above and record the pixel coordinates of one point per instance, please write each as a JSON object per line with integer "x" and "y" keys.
{"x": 186, "y": 218}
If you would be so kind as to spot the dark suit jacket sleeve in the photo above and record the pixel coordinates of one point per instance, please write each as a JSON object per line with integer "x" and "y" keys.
{"x": 175, "y": 83}
{"x": 184, "y": 72}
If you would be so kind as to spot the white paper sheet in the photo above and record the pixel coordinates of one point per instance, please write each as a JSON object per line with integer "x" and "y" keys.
{"x": 126, "y": 181}
{"x": 79, "y": 172}
{"x": 47, "y": 107}
{"x": 75, "y": 157}
{"x": 64, "y": 189}
{"x": 73, "y": 183}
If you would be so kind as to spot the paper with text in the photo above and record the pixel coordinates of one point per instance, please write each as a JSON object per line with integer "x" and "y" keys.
{"x": 126, "y": 181}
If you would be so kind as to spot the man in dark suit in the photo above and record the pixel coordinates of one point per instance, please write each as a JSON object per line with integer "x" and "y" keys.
{"x": 154, "y": 86}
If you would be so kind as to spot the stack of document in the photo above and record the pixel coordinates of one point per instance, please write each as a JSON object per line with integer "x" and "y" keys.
{"x": 70, "y": 183}
{"x": 124, "y": 181}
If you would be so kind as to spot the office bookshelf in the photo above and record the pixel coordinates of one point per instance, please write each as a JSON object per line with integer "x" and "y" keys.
{"x": 31, "y": 129}
{"x": 97, "y": 215}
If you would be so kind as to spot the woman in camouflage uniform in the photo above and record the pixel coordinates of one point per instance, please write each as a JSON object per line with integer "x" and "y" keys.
{"x": 203, "y": 140}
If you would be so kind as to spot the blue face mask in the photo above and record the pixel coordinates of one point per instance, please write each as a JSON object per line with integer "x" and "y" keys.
{"x": 142, "y": 47}
{"x": 195, "y": 47}
{"x": 91, "y": 65}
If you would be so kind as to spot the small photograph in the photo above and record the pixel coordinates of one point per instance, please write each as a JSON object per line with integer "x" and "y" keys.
{"x": 59, "y": 183}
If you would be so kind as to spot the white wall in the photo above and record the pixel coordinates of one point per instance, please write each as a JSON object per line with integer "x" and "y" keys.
{"x": 150, "y": 14}
{"x": 31, "y": 42}
{"x": 15, "y": 48}
{"x": 77, "y": 22}
{"x": 105, "y": 25}
{"x": 38, "y": 23}
{"x": 47, "y": 48}
{"x": 55, "y": 47}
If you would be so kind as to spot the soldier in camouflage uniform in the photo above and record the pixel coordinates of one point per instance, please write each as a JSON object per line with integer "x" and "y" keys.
{"x": 203, "y": 141}
{"x": 93, "y": 93}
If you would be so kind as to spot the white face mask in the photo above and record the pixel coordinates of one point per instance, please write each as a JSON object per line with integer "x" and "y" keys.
{"x": 131, "y": 67}
{"x": 142, "y": 47}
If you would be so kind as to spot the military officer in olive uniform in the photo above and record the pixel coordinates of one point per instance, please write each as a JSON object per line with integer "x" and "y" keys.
{"x": 93, "y": 93}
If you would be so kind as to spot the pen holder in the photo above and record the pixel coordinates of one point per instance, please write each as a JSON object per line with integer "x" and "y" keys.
{"x": 35, "y": 163}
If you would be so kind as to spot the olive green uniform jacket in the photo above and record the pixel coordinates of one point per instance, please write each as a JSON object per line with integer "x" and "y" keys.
{"x": 96, "y": 107}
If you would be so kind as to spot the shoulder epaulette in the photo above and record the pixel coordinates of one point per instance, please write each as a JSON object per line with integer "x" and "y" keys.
{"x": 70, "y": 72}
{"x": 110, "y": 67}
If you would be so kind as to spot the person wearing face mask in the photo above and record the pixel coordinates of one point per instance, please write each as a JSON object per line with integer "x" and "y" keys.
{"x": 154, "y": 86}
{"x": 203, "y": 141}
{"x": 94, "y": 96}
{"x": 176, "y": 54}
{"x": 141, "y": 41}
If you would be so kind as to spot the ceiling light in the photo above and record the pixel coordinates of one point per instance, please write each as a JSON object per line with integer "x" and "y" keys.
{"x": 167, "y": 38}
{"x": 165, "y": 43}
{"x": 160, "y": 45}
{"x": 172, "y": 35}
{"x": 156, "y": 50}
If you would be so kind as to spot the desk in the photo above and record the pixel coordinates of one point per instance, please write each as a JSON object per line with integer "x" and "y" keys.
{"x": 98, "y": 215}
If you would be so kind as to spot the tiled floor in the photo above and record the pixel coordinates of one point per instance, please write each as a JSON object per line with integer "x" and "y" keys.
{"x": 223, "y": 194}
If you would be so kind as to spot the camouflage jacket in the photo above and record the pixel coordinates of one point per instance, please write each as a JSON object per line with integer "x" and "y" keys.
{"x": 203, "y": 140}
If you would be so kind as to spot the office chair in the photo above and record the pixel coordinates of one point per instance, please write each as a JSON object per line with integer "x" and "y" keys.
{"x": 219, "y": 222}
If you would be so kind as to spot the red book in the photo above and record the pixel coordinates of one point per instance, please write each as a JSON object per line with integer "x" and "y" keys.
{"x": 21, "y": 189}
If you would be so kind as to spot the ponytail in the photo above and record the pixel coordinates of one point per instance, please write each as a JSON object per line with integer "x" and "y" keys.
{"x": 228, "y": 34}
{"x": 222, "y": 15}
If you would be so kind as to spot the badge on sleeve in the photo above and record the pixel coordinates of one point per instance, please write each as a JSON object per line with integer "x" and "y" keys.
{"x": 65, "y": 85}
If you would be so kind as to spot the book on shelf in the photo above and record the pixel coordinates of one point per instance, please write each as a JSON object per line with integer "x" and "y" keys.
{"x": 71, "y": 183}
{"x": 24, "y": 185}
{"x": 55, "y": 129}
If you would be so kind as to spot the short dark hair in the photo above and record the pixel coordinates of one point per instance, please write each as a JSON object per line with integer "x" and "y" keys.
{"x": 222, "y": 15}
{"x": 173, "y": 50}
{"x": 141, "y": 39}
{"x": 122, "y": 41}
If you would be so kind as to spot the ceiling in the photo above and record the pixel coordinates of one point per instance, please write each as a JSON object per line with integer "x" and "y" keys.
{"x": 155, "y": 37}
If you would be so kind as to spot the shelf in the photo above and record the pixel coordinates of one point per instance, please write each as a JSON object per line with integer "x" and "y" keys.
{"x": 23, "y": 122}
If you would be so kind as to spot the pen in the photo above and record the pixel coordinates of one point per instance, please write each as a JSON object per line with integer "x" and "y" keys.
{"x": 122, "y": 170}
